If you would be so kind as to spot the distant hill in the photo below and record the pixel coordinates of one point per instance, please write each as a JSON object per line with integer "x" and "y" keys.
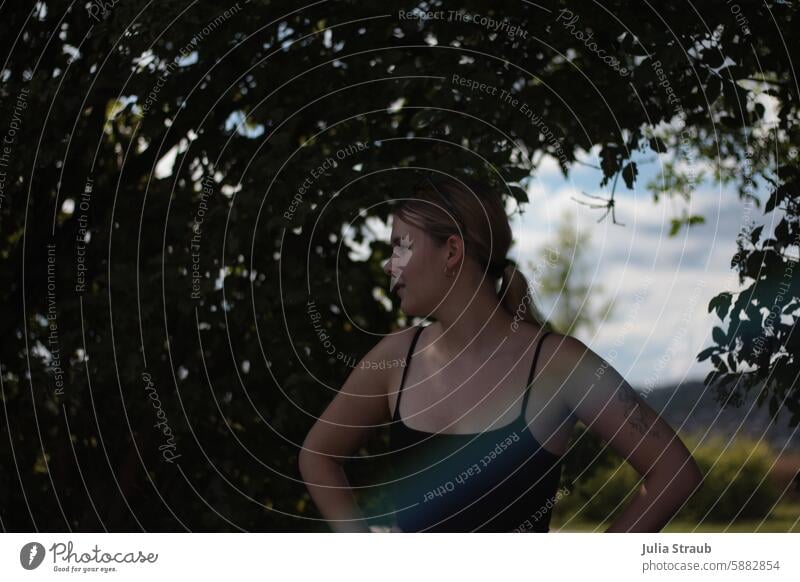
{"x": 691, "y": 408}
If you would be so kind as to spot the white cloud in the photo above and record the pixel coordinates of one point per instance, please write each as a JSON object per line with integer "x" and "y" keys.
{"x": 672, "y": 323}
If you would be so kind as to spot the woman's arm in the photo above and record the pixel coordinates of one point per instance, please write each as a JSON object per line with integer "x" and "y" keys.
{"x": 612, "y": 410}
{"x": 359, "y": 406}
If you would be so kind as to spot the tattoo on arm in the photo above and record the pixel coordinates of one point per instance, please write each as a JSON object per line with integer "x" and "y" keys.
{"x": 639, "y": 417}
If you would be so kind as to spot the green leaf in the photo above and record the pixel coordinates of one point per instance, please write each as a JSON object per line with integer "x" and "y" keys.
{"x": 721, "y": 303}
{"x": 776, "y": 198}
{"x": 676, "y": 223}
{"x": 782, "y": 230}
{"x": 658, "y": 145}
{"x": 706, "y": 353}
{"x": 719, "y": 336}
{"x": 519, "y": 193}
{"x": 629, "y": 173}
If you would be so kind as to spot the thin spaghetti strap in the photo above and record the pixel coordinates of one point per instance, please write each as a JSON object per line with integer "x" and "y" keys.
{"x": 405, "y": 370}
{"x": 530, "y": 376}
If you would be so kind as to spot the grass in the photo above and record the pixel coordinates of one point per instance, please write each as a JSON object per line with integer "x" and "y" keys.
{"x": 784, "y": 519}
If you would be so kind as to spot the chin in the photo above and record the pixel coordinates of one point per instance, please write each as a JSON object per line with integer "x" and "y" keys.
{"x": 408, "y": 308}
{"x": 415, "y": 310}
{"x": 409, "y": 311}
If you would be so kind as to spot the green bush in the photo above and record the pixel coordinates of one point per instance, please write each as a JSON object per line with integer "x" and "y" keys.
{"x": 743, "y": 469}
{"x": 599, "y": 496}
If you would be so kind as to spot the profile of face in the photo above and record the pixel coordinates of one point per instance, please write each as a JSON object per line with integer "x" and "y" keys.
{"x": 416, "y": 268}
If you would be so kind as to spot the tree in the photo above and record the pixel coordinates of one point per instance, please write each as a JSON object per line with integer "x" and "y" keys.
{"x": 564, "y": 283}
{"x": 176, "y": 181}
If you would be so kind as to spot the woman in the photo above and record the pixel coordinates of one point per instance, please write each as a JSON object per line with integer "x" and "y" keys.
{"x": 481, "y": 420}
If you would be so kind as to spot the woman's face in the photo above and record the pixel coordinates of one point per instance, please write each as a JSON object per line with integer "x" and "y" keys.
{"x": 416, "y": 269}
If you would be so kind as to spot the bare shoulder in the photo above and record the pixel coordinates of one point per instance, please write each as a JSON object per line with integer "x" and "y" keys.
{"x": 393, "y": 347}
{"x": 360, "y": 404}
{"x": 575, "y": 370}
{"x": 570, "y": 350}
{"x": 387, "y": 356}
{"x": 558, "y": 348}
{"x": 564, "y": 360}
{"x": 569, "y": 357}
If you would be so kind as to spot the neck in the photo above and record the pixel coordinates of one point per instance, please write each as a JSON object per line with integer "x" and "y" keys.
{"x": 466, "y": 320}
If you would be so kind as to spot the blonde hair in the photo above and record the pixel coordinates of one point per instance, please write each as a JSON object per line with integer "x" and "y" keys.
{"x": 475, "y": 212}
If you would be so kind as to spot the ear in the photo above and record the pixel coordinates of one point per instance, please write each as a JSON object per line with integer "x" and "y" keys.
{"x": 455, "y": 250}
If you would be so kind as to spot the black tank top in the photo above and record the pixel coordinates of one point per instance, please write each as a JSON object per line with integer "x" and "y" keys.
{"x": 500, "y": 480}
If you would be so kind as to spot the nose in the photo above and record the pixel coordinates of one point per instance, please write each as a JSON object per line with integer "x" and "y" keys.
{"x": 392, "y": 270}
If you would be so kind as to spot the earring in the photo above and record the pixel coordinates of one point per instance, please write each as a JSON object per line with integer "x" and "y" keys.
{"x": 447, "y": 274}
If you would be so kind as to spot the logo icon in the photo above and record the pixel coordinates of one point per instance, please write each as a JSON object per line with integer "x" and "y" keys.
{"x": 31, "y": 555}
{"x": 400, "y": 259}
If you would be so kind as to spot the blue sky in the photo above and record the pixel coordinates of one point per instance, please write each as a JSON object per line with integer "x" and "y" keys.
{"x": 660, "y": 285}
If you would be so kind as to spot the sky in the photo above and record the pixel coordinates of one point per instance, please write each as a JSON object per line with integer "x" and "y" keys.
{"x": 660, "y": 285}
